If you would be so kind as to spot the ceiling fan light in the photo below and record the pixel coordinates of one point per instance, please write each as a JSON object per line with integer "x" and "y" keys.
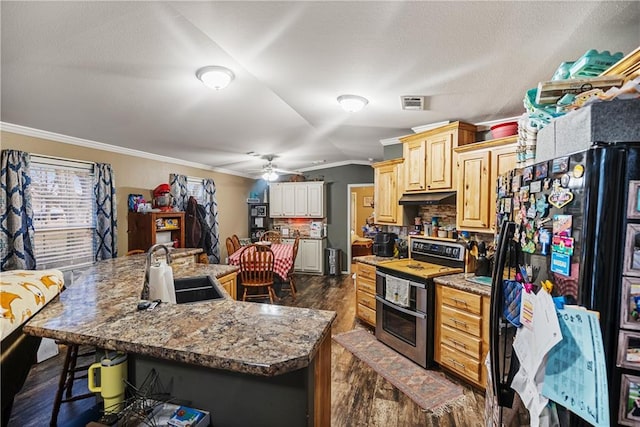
{"x": 270, "y": 176}
{"x": 215, "y": 76}
{"x": 352, "y": 103}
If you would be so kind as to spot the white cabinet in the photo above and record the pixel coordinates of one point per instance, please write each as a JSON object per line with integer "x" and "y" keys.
{"x": 310, "y": 252}
{"x": 275, "y": 199}
{"x": 288, "y": 200}
{"x": 316, "y": 206}
{"x": 300, "y": 200}
{"x": 297, "y": 200}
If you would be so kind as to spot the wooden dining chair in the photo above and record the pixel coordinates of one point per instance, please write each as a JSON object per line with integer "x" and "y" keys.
{"x": 288, "y": 281}
{"x": 256, "y": 271}
{"x": 236, "y": 242}
{"x": 230, "y": 247}
{"x": 271, "y": 236}
{"x": 135, "y": 252}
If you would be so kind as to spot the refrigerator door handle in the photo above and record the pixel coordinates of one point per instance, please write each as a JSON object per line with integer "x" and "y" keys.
{"x": 500, "y": 390}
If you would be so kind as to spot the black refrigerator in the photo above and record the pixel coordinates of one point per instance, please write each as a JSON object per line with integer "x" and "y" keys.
{"x": 575, "y": 221}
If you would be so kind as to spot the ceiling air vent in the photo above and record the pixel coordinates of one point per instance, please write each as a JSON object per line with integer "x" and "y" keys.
{"x": 412, "y": 102}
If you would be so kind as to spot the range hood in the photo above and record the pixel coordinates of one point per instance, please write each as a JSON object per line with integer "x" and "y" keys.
{"x": 416, "y": 199}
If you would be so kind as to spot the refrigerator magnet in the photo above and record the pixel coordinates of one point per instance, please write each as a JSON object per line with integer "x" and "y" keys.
{"x": 535, "y": 186}
{"x": 560, "y": 197}
{"x": 515, "y": 183}
{"x": 561, "y": 263}
{"x": 562, "y": 225}
{"x": 633, "y": 208}
{"x": 578, "y": 171}
{"x": 560, "y": 165}
{"x": 544, "y": 238}
{"x": 527, "y": 174}
{"x": 542, "y": 207}
{"x": 541, "y": 170}
{"x": 563, "y": 245}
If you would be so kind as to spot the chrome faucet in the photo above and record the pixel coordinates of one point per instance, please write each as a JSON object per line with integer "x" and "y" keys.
{"x": 150, "y": 252}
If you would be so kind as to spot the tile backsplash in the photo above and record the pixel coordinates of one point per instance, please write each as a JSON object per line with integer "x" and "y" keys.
{"x": 296, "y": 226}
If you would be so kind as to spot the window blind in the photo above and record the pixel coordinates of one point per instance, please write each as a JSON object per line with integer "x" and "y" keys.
{"x": 63, "y": 209}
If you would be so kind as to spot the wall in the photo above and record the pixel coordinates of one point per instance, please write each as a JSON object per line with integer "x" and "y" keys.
{"x": 336, "y": 180}
{"x": 138, "y": 175}
{"x": 393, "y": 151}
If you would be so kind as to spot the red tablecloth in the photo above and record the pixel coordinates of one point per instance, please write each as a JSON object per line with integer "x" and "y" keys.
{"x": 282, "y": 258}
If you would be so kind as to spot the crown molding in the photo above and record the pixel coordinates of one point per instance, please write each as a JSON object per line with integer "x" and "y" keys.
{"x": 391, "y": 141}
{"x": 66, "y": 139}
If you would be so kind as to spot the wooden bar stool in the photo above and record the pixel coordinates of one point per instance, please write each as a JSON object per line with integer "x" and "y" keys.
{"x": 67, "y": 379}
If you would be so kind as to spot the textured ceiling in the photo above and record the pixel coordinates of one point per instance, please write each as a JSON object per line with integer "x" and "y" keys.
{"x": 123, "y": 73}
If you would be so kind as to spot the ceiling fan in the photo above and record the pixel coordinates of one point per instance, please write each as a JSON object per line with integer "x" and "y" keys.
{"x": 270, "y": 171}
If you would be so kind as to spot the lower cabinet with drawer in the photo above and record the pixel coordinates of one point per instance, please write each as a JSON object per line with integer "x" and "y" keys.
{"x": 229, "y": 282}
{"x": 462, "y": 333}
{"x": 366, "y": 293}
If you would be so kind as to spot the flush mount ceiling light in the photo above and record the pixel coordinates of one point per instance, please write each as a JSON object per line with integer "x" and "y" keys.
{"x": 352, "y": 103}
{"x": 215, "y": 76}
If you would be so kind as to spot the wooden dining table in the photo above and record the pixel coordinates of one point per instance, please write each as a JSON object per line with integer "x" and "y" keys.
{"x": 282, "y": 258}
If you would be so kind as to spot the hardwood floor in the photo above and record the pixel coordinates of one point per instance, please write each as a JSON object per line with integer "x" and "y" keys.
{"x": 360, "y": 397}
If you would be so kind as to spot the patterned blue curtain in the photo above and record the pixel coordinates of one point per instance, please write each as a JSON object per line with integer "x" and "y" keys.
{"x": 16, "y": 213}
{"x": 106, "y": 212}
{"x": 179, "y": 191}
{"x": 211, "y": 208}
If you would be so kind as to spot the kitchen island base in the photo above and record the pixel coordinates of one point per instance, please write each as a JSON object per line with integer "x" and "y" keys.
{"x": 297, "y": 398}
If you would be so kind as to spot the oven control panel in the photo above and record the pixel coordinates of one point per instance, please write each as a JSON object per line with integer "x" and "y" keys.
{"x": 436, "y": 248}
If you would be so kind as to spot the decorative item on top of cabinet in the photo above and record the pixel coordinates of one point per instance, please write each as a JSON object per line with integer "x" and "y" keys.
{"x": 297, "y": 199}
{"x": 462, "y": 333}
{"x": 429, "y": 157}
{"x": 478, "y": 167}
{"x": 366, "y": 293}
{"x": 146, "y": 229}
{"x": 387, "y": 191}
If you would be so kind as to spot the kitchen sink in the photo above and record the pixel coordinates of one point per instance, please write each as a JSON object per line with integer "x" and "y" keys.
{"x": 480, "y": 280}
{"x": 194, "y": 289}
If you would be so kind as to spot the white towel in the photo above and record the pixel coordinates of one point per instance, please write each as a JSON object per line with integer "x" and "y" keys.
{"x": 397, "y": 291}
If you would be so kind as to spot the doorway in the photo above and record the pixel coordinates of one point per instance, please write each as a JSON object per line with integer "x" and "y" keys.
{"x": 360, "y": 206}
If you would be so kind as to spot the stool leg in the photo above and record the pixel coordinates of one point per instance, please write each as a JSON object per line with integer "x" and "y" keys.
{"x": 74, "y": 350}
{"x": 61, "y": 386}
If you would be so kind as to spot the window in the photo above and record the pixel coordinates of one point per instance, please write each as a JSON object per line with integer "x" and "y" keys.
{"x": 63, "y": 209}
{"x": 195, "y": 188}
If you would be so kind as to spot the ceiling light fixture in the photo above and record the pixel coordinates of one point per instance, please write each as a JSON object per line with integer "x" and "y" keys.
{"x": 352, "y": 103}
{"x": 269, "y": 176}
{"x": 215, "y": 76}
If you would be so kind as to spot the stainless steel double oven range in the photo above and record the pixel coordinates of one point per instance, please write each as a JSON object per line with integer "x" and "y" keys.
{"x": 405, "y": 294}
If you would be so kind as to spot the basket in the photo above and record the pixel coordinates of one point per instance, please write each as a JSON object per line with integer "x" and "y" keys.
{"x": 504, "y": 129}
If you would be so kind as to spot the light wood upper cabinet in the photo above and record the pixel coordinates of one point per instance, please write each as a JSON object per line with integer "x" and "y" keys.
{"x": 473, "y": 189}
{"x": 387, "y": 191}
{"x": 439, "y": 174}
{"x": 297, "y": 200}
{"x": 430, "y": 159}
{"x": 415, "y": 161}
{"x": 478, "y": 166}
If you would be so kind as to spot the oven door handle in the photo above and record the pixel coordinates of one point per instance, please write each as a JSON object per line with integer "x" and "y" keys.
{"x": 403, "y": 310}
{"x": 414, "y": 284}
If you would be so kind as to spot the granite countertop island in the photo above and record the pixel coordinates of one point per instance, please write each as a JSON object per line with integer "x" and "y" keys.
{"x": 100, "y": 309}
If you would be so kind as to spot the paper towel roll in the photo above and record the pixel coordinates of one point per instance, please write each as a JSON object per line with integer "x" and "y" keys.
{"x": 170, "y": 290}
{"x": 156, "y": 281}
